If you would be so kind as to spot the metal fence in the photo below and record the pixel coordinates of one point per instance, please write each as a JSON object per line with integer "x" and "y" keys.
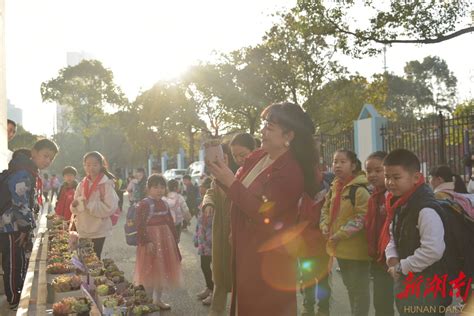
{"x": 328, "y": 144}
{"x": 436, "y": 140}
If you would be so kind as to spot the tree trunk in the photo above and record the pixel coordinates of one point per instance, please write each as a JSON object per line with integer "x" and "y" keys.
{"x": 87, "y": 143}
{"x": 252, "y": 120}
{"x": 191, "y": 144}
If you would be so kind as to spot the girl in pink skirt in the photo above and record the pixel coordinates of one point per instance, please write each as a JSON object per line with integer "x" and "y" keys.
{"x": 158, "y": 264}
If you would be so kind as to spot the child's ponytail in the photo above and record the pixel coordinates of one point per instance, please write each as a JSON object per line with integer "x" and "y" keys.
{"x": 445, "y": 173}
{"x": 459, "y": 185}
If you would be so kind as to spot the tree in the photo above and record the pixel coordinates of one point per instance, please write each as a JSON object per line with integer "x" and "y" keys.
{"x": 434, "y": 74}
{"x": 390, "y": 22}
{"x": 464, "y": 108}
{"x": 184, "y": 120}
{"x": 339, "y": 104}
{"x": 148, "y": 122}
{"x": 253, "y": 86}
{"x": 86, "y": 90}
{"x": 403, "y": 98}
{"x": 23, "y": 139}
{"x": 205, "y": 86}
{"x": 301, "y": 61}
{"x": 71, "y": 151}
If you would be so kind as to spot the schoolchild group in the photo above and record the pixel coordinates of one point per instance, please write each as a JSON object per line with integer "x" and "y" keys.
{"x": 385, "y": 224}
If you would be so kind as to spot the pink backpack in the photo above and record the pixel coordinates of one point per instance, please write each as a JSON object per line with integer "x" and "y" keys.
{"x": 116, "y": 215}
{"x": 465, "y": 200}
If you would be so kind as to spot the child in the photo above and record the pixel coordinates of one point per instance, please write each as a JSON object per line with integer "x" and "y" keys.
{"x": 46, "y": 187}
{"x": 95, "y": 201}
{"x": 374, "y": 221}
{"x": 66, "y": 193}
{"x": 241, "y": 146}
{"x": 158, "y": 263}
{"x": 54, "y": 184}
{"x": 416, "y": 231}
{"x": 443, "y": 181}
{"x": 342, "y": 224}
{"x": 17, "y": 220}
{"x": 203, "y": 242}
{"x": 179, "y": 208}
{"x": 139, "y": 186}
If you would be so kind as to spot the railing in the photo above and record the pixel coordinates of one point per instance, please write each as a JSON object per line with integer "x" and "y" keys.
{"x": 436, "y": 140}
{"x": 328, "y": 144}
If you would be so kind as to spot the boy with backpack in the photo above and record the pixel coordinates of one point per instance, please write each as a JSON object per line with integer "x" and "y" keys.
{"x": 20, "y": 199}
{"x": 416, "y": 232}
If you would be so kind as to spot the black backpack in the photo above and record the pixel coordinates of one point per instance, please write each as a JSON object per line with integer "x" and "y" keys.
{"x": 352, "y": 193}
{"x": 5, "y": 196}
{"x": 458, "y": 237}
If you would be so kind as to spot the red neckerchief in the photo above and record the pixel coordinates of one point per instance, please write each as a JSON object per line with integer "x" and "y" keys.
{"x": 372, "y": 218}
{"x": 88, "y": 190}
{"x": 385, "y": 234}
{"x": 336, "y": 205}
{"x": 39, "y": 188}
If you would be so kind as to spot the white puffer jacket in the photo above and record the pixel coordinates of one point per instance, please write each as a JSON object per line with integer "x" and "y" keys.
{"x": 92, "y": 218}
{"x": 178, "y": 207}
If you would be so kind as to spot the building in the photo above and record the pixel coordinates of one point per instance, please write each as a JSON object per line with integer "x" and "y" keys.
{"x": 62, "y": 112}
{"x": 15, "y": 114}
{"x": 3, "y": 96}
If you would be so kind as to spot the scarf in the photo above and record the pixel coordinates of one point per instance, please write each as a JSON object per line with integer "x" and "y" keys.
{"x": 87, "y": 189}
{"x": 336, "y": 204}
{"x": 372, "y": 220}
{"x": 390, "y": 208}
{"x": 39, "y": 187}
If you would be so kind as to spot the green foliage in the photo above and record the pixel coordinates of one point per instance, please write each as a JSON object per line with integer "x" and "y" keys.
{"x": 23, "y": 139}
{"x": 464, "y": 108}
{"x": 433, "y": 74}
{"x": 71, "y": 151}
{"x": 86, "y": 90}
{"x": 389, "y": 22}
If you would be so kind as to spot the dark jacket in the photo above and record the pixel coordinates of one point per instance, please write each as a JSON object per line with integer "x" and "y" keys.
{"x": 404, "y": 226}
{"x": 22, "y": 186}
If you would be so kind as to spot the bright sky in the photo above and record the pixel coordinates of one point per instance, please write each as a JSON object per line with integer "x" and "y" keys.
{"x": 143, "y": 41}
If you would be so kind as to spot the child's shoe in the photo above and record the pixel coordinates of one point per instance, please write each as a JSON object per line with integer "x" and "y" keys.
{"x": 208, "y": 300}
{"x": 205, "y": 293}
{"x": 163, "y": 306}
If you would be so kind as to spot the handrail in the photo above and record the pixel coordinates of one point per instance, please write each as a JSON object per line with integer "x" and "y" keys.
{"x": 34, "y": 260}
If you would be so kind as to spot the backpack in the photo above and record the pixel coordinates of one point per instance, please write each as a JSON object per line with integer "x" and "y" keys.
{"x": 465, "y": 200}
{"x": 130, "y": 227}
{"x": 459, "y": 238}
{"x": 116, "y": 215}
{"x": 5, "y": 195}
{"x": 352, "y": 192}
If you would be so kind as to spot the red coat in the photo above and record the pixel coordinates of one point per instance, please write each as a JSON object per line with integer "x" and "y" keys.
{"x": 63, "y": 205}
{"x": 265, "y": 280}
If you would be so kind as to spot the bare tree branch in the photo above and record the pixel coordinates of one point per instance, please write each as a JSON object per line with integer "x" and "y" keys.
{"x": 440, "y": 38}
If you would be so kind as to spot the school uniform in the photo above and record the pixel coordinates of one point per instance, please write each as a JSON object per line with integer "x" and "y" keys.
{"x": 417, "y": 240}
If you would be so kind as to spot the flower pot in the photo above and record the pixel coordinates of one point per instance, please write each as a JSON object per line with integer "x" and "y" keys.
{"x": 61, "y": 295}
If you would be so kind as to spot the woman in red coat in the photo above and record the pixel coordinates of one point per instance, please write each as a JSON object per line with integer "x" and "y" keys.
{"x": 264, "y": 195}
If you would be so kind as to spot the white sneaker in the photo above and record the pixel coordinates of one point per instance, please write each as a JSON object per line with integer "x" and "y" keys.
{"x": 205, "y": 293}
{"x": 207, "y": 300}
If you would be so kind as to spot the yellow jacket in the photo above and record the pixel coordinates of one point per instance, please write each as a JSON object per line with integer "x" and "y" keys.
{"x": 348, "y": 227}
